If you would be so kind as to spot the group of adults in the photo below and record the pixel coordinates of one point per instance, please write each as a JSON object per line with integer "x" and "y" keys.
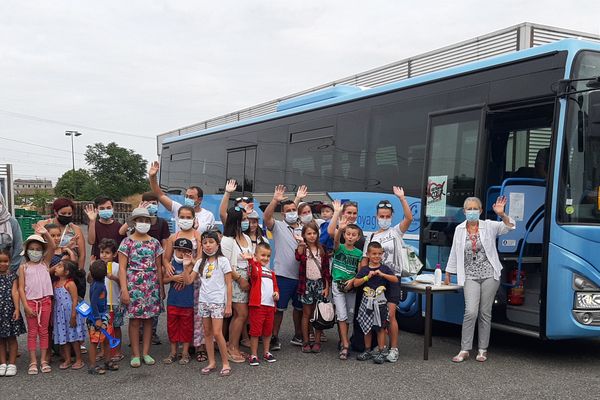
{"x": 473, "y": 257}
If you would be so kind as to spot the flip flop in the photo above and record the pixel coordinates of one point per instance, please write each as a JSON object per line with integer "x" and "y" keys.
{"x": 207, "y": 370}
{"x": 76, "y": 366}
{"x": 64, "y": 366}
{"x": 233, "y": 358}
{"x": 225, "y": 372}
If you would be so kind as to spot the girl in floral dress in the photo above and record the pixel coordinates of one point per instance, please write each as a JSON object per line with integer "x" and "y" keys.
{"x": 140, "y": 254}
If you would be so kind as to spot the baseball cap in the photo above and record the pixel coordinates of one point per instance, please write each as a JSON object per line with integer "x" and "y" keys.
{"x": 183, "y": 244}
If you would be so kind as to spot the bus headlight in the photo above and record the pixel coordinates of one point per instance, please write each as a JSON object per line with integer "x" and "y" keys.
{"x": 587, "y": 300}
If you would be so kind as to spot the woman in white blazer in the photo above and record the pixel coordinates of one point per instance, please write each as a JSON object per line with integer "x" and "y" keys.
{"x": 474, "y": 259}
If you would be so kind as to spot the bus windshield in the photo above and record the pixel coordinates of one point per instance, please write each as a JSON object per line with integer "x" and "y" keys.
{"x": 580, "y": 172}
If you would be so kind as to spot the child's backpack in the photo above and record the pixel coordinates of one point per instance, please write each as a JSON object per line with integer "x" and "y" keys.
{"x": 324, "y": 316}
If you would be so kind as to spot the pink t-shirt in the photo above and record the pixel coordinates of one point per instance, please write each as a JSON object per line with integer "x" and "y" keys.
{"x": 37, "y": 281}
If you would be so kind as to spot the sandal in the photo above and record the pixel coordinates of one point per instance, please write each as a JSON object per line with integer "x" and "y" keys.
{"x": 135, "y": 362}
{"x": 306, "y": 348}
{"x": 202, "y": 356}
{"x": 238, "y": 359}
{"x": 111, "y": 366}
{"x": 77, "y": 366}
{"x": 46, "y": 368}
{"x": 185, "y": 359}
{"x": 148, "y": 360}
{"x": 118, "y": 358}
{"x": 64, "y": 366}
{"x": 461, "y": 356}
{"x": 316, "y": 348}
{"x": 481, "y": 356}
{"x": 225, "y": 372}
{"x": 33, "y": 369}
{"x": 170, "y": 359}
{"x": 344, "y": 353}
{"x": 97, "y": 370}
{"x": 207, "y": 370}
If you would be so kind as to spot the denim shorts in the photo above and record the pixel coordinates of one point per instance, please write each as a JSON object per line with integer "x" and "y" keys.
{"x": 288, "y": 289}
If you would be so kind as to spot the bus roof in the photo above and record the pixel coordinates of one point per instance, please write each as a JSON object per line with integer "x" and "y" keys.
{"x": 570, "y": 45}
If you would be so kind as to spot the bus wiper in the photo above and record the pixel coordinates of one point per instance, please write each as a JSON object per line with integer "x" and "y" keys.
{"x": 593, "y": 83}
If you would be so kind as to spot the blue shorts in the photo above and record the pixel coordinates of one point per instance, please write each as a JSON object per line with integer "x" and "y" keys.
{"x": 288, "y": 289}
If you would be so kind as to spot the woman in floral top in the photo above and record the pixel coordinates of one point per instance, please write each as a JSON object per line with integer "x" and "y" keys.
{"x": 140, "y": 254}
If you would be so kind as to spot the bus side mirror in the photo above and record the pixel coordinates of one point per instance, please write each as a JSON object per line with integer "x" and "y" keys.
{"x": 594, "y": 113}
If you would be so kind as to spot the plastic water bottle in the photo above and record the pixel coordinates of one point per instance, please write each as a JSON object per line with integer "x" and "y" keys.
{"x": 437, "y": 275}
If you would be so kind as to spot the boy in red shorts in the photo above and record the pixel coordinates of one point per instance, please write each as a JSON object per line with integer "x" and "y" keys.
{"x": 180, "y": 303}
{"x": 261, "y": 303}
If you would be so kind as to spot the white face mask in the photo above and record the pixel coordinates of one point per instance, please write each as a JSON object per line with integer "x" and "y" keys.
{"x": 35, "y": 255}
{"x": 177, "y": 259}
{"x": 142, "y": 227}
{"x": 185, "y": 224}
{"x": 291, "y": 217}
{"x": 306, "y": 218}
{"x": 211, "y": 254}
{"x": 384, "y": 223}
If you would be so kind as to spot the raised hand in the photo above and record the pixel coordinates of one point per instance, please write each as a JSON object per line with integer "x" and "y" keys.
{"x": 154, "y": 168}
{"x": 91, "y": 212}
{"x": 302, "y": 192}
{"x": 39, "y": 229}
{"x": 399, "y": 191}
{"x": 343, "y": 223}
{"x": 231, "y": 186}
{"x": 499, "y": 205}
{"x": 187, "y": 259}
{"x": 144, "y": 204}
{"x": 337, "y": 206}
{"x": 279, "y": 194}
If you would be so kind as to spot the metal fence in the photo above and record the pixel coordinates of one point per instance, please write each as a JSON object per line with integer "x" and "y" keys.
{"x": 504, "y": 41}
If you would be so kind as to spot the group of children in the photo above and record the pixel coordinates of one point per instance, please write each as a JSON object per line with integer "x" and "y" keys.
{"x": 49, "y": 287}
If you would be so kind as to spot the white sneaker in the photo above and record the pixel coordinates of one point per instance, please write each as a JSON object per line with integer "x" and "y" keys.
{"x": 11, "y": 370}
{"x": 3, "y": 369}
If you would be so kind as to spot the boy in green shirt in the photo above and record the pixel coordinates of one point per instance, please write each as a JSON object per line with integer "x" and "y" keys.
{"x": 344, "y": 267}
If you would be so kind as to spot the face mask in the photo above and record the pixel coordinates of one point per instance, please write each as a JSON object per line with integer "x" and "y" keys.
{"x": 177, "y": 259}
{"x": 291, "y": 217}
{"x": 185, "y": 224}
{"x": 210, "y": 254}
{"x": 35, "y": 255}
{"x": 472, "y": 215}
{"x": 152, "y": 209}
{"x": 245, "y": 225}
{"x": 142, "y": 227}
{"x": 106, "y": 214}
{"x": 189, "y": 202}
{"x": 384, "y": 223}
{"x": 64, "y": 220}
{"x": 306, "y": 218}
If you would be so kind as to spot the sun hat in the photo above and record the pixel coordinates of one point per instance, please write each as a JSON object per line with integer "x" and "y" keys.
{"x": 140, "y": 212}
{"x": 34, "y": 238}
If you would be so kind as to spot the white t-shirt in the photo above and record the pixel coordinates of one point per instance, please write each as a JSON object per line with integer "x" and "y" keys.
{"x": 392, "y": 243}
{"x": 233, "y": 251}
{"x": 266, "y": 287}
{"x": 204, "y": 218}
{"x": 213, "y": 288}
{"x": 113, "y": 290}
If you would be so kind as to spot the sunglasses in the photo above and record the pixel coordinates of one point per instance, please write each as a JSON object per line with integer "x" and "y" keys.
{"x": 209, "y": 270}
{"x": 244, "y": 199}
{"x": 384, "y": 205}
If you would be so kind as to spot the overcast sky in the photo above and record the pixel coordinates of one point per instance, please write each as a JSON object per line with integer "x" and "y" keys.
{"x": 140, "y": 68}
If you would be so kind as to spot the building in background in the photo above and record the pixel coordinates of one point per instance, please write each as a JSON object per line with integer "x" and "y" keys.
{"x": 29, "y": 187}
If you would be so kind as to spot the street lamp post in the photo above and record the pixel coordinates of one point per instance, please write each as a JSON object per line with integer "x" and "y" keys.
{"x": 73, "y": 134}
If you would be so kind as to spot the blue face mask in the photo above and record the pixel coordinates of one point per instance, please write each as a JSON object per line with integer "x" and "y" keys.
{"x": 245, "y": 225}
{"x": 105, "y": 214}
{"x": 472, "y": 215}
{"x": 152, "y": 209}
{"x": 189, "y": 202}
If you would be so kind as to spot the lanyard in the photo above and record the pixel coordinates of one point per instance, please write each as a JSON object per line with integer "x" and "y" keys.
{"x": 473, "y": 238}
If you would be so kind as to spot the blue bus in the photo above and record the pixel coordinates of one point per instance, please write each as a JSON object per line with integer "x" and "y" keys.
{"x": 525, "y": 125}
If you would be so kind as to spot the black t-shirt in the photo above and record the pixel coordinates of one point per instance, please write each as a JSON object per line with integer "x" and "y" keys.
{"x": 106, "y": 231}
{"x": 375, "y": 281}
{"x": 160, "y": 230}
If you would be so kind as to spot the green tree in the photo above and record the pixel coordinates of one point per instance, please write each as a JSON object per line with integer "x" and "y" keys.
{"x": 40, "y": 198}
{"x": 117, "y": 171}
{"x": 78, "y": 185}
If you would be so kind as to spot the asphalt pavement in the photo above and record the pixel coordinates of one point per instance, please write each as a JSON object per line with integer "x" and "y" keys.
{"x": 518, "y": 367}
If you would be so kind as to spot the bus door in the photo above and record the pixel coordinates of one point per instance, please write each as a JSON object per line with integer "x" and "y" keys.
{"x": 452, "y": 173}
